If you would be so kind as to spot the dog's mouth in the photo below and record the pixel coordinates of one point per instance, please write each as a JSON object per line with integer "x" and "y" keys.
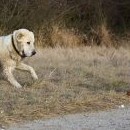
{"x": 23, "y": 55}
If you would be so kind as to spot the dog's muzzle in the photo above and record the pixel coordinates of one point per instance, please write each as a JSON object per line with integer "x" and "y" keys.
{"x": 23, "y": 55}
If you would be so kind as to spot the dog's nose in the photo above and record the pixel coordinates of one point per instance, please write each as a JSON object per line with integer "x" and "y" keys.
{"x": 34, "y": 52}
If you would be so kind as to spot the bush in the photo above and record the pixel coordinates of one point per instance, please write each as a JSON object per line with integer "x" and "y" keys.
{"x": 96, "y": 20}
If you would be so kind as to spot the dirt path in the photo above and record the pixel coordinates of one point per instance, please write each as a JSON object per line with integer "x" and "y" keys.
{"x": 111, "y": 120}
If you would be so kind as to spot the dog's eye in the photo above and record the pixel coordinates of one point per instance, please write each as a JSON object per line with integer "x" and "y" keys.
{"x": 28, "y": 43}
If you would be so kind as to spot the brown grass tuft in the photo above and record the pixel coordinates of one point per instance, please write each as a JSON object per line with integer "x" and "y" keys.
{"x": 64, "y": 37}
{"x": 105, "y": 36}
{"x": 101, "y": 36}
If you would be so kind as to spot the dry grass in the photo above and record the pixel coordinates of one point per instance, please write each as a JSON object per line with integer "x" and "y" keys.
{"x": 101, "y": 36}
{"x": 74, "y": 80}
{"x": 60, "y": 37}
{"x": 64, "y": 37}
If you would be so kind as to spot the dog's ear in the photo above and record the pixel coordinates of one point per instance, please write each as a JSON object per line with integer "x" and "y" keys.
{"x": 19, "y": 36}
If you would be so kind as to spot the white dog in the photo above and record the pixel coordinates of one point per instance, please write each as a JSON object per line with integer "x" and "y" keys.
{"x": 13, "y": 48}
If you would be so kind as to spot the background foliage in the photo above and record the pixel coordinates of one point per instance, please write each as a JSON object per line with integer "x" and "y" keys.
{"x": 94, "y": 21}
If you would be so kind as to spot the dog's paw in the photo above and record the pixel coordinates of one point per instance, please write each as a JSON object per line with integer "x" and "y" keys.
{"x": 35, "y": 77}
{"x": 18, "y": 86}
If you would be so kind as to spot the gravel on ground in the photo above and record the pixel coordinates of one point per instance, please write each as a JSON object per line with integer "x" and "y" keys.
{"x": 107, "y": 120}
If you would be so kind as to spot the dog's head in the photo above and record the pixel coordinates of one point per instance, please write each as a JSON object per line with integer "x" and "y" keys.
{"x": 24, "y": 42}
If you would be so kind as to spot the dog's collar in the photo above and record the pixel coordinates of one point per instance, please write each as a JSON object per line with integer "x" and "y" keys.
{"x": 15, "y": 47}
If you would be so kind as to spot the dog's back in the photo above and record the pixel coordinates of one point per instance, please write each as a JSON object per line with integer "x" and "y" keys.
{"x": 4, "y": 44}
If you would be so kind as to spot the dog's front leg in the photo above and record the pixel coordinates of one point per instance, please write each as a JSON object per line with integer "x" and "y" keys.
{"x": 28, "y": 68}
{"x": 10, "y": 78}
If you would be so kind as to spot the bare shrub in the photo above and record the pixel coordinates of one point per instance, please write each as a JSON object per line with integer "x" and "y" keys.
{"x": 84, "y": 16}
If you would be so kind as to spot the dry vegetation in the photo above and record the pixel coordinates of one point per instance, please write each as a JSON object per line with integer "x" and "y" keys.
{"x": 79, "y": 69}
{"x": 94, "y": 22}
{"x": 83, "y": 79}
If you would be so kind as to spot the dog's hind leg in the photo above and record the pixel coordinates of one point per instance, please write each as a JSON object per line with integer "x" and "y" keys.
{"x": 28, "y": 68}
{"x": 10, "y": 78}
